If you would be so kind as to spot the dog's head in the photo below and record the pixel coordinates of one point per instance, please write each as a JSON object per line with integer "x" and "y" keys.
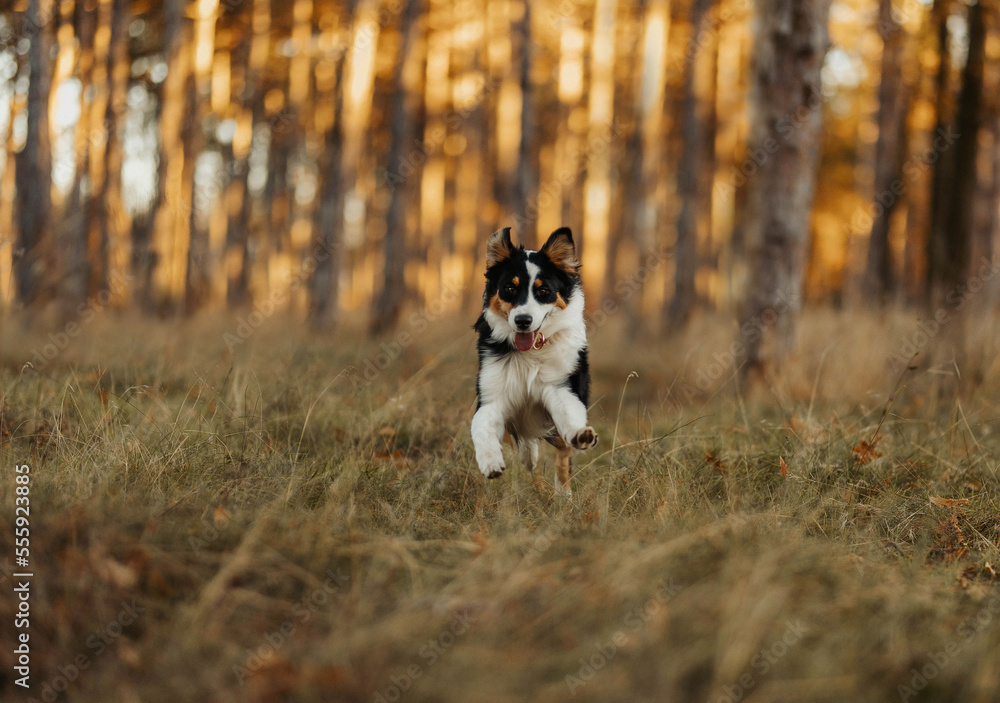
{"x": 526, "y": 290}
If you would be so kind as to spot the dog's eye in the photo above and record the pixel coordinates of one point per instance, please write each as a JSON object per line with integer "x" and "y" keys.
{"x": 543, "y": 292}
{"x": 510, "y": 289}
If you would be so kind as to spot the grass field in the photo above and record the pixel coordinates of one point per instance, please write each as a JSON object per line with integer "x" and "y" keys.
{"x": 300, "y": 519}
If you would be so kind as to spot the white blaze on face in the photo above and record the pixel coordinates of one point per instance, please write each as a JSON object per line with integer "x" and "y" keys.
{"x": 531, "y": 307}
{"x": 537, "y": 312}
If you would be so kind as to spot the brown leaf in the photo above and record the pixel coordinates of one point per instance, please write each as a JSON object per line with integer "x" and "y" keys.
{"x": 864, "y": 451}
{"x": 949, "y": 502}
{"x": 950, "y": 542}
{"x": 782, "y": 466}
{"x": 396, "y": 458}
{"x": 719, "y": 464}
{"x": 221, "y": 517}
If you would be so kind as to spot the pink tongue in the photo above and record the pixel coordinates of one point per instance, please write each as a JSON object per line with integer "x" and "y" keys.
{"x": 524, "y": 340}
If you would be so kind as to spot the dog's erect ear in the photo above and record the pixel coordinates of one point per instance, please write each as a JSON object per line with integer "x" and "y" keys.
{"x": 561, "y": 251}
{"x": 499, "y": 247}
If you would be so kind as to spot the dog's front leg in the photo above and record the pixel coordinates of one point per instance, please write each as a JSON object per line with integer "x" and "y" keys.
{"x": 570, "y": 417}
{"x": 487, "y": 433}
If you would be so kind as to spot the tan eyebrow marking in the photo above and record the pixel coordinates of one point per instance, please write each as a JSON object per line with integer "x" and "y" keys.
{"x": 499, "y": 306}
{"x": 538, "y": 283}
{"x": 516, "y": 281}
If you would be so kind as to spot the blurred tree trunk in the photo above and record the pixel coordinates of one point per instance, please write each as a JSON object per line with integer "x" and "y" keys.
{"x": 631, "y": 217}
{"x": 711, "y": 254}
{"x": 276, "y": 199}
{"x": 955, "y": 196}
{"x": 199, "y": 266}
{"x": 145, "y": 257}
{"x": 890, "y": 153}
{"x": 955, "y": 183}
{"x": 526, "y": 185}
{"x": 574, "y": 139}
{"x": 109, "y": 210}
{"x": 330, "y": 213}
{"x": 252, "y": 56}
{"x": 991, "y": 224}
{"x": 624, "y": 169}
{"x": 957, "y": 236}
{"x": 645, "y": 152}
{"x": 77, "y": 265}
{"x": 937, "y": 235}
{"x": 193, "y": 142}
{"x": 673, "y": 100}
{"x": 482, "y": 147}
{"x": 791, "y": 40}
{"x": 389, "y": 303}
{"x": 33, "y": 175}
{"x": 689, "y": 178}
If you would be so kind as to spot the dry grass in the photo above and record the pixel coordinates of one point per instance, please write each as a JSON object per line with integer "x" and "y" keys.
{"x": 284, "y": 529}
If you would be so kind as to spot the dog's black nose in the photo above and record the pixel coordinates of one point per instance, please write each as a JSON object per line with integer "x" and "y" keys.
{"x": 523, "y": 322}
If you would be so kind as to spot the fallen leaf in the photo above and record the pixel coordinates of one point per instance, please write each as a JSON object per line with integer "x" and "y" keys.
{"x": 949, "y": 502}
{"x": 395, "y": 457}
{"x": 951, "y": 544}
{"x": 864, "y": 451}
{"x": 720, "y": 465}
{"x": 221, "y": 517}
{"x": 782, "y": 466}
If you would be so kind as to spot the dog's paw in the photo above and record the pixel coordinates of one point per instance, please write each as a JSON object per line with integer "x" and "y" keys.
{"x": 584, "y": 439}
{"x": 563, "y": 491}
{"x": 492, "y": 469}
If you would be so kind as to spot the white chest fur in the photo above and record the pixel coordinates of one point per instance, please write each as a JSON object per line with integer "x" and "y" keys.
{"x": 518, "y": 379}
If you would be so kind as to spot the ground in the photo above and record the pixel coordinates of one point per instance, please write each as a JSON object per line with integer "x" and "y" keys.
{"x": 226, "y": 513}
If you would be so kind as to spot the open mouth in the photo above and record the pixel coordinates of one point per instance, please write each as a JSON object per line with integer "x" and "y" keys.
{"x": 524, "y": 340}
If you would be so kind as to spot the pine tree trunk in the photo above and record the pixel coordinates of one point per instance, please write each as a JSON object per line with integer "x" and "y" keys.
{"x": 526, "y": 185}
{"x": 33, "y": 258}
{"x": 689, "y": 180}
{"x": 482, "y": 147}
{"x": 74, "y": 244}
{"x": 196, "y": 269}
{"x": 199, "y": 267}
{"x": 991, "y": 224}
{"x": 937, "y": 235}
{"x": 961, "y": 215}
{"x": 790, "y": 43}
{"x": 145, "y": 255}
{"x": 109, "y": 210}
{"x": 389, "y": 303}
{"x": 330, "y": 213}
{"x": 889, "y": 155}
{"x": 252, "y": 56}
{"x": 240, "y": 222}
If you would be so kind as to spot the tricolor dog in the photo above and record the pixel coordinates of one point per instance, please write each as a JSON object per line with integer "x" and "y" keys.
{"x": 533, "y": 376}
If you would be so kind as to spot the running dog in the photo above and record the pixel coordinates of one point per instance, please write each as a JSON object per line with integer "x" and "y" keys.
{"x": 534, "y": 380}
